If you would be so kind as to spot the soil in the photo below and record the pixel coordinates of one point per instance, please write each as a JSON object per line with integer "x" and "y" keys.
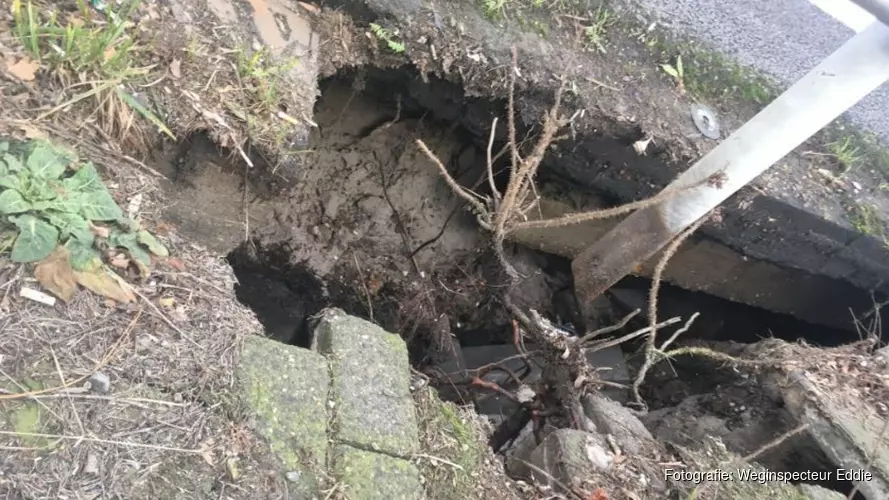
{"x": 362, "y": 221}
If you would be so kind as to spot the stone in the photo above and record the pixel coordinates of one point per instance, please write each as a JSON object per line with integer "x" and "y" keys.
{"x": 286, "y": 388}
{"x": 567, "y": 455}
{"x": 100, "y": 383}
{"x": 610, "y": 417}
{"x": 518, "y": 455}
{"x": 375, "y": 476}
{"x": 370, "y": 382}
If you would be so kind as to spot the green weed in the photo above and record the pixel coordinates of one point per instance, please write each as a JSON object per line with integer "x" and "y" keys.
{"x": 49, "y": 200}
{"x": 494, "y": 9}
{"x": 595, "y": 33}
{"x": 388, "y": 38}
{"x": 846, "y": 153}
{"x": 677, "y": 72}
{"x": 262, "y": 76}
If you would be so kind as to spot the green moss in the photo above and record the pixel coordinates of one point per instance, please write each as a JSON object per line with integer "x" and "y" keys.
{"x": 447, "y": 434}
{"x": 370, "y": 476}
{"x": 865, "y": 218}
{"x": 286, "y": 388}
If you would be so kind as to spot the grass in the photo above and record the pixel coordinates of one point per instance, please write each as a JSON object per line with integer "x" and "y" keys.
{"x": 596, "y": 32}
{"x": 847, "y": 154}
{"x": 865, "y": 219}
{"x": 494, "y": 9}
{"x": 96, "y": 57}
{"x": 262, "y": 76}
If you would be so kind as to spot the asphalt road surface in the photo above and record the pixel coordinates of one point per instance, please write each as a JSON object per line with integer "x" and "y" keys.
{"x": 782, "y": 38}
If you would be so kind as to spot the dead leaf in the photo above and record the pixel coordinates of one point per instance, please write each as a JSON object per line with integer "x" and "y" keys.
{"x": 120, "y": 261}
{"x": 206, "y": 451}
{"x": 108, "y": 54}
{"x": 25, "y": 69}
{"x": 100, "y": 231}
{"x": 56, "y": 275}
{"x": 167, "y": 301}
{"x": 32, "y": 132}
{"x": 176, "y": 68}
{"x": 102, "y": 283}
{"x": 314, "y": 9}
{"x": 176, "y": 263}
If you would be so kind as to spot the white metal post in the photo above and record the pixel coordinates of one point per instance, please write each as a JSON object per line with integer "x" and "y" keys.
{"x": 841, "y": 80}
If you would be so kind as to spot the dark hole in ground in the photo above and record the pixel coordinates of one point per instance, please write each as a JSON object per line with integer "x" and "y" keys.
{"x": 347, "y": 231}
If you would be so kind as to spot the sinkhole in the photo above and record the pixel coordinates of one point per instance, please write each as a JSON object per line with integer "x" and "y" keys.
{"x": 367, "y": 225}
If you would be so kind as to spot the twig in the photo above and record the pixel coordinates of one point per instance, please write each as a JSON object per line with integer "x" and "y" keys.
{"x": 437, "y": 459}
{"x": 650, "y": 346}
{"x": 613, "y": 328}
{"x": 102, "y": 362}
{"x": 102, "y": 441}
{"x": 605, "y": 344}
{"x": 494, "y": 192}
{"x": 459, "y": 190}
{"x": 165, "y": 319}
{"x": 70, "y": 401}
{"x": 774, "y": 443}
{"x": 680, "y": 331}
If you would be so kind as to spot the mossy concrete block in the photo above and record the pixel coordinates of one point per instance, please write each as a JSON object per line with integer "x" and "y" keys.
{"x": 370, "y": 476}
{"x": 286, "y": 388}
{"x": 370, "y": 382}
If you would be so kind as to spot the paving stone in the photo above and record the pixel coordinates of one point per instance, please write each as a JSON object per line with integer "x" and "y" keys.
{"x": 370, "y": 382}
{"x": 286, "y": 388}
{"x": 367, "y": 475}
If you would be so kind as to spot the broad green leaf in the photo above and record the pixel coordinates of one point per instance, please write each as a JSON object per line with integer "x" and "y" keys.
{"x": 83, "y": 256}
{"x": 13, "y": 164}
{"x": 73, "y": 225}
{"x": 36, "y": 240}
{"x": 154, "y": 246}
{"x": 11, "y": 202}
{"x": 11, "y": 181}
{"x": 4, "y": 147}
{"x": 43, "y": 190}
{"x": 46, "y": 162}
{"x": 86, "y": 179}
{"x": 97, "y": 205}
{"x": 129, "y": 241}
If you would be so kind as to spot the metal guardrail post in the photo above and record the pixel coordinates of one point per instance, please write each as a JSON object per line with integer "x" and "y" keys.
{"x": 841, "y": 80}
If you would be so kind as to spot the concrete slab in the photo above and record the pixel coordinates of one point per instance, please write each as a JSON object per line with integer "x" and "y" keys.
{"x": 856, "y": 442}
{"x": 290, "y": 406}
{"x": 368, "y": 365}
{"x": 373, "y": 476}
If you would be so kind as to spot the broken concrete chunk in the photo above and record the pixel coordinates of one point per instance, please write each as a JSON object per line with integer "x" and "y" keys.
{"x": 518, "y": 455}
{"x": 610, "y": 417}
{"x": 370, "y": 476}
{"x": 286, "y": 389}
{"x": 370, "y": 377}
{"x": 567, "y": 455}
